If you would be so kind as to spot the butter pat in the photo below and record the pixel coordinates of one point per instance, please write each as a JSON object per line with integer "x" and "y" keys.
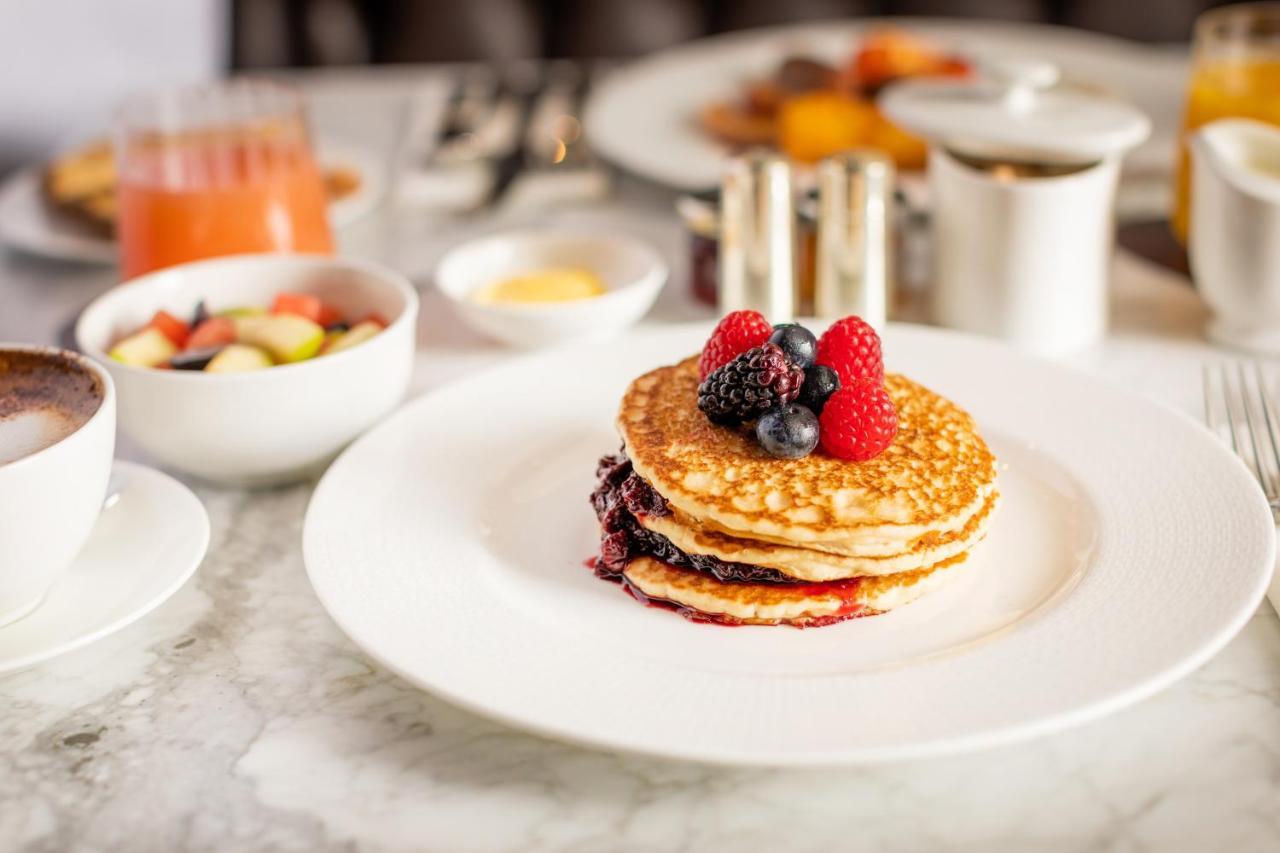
{"x": 554, "y": 284}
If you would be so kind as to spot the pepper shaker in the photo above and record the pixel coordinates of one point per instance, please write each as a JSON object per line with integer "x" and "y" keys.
{"x": 757, "y": 237}
{"x": 855, "y": 216}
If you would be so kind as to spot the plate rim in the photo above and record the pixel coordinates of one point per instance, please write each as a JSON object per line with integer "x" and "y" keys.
{"x": 999, "y": 735}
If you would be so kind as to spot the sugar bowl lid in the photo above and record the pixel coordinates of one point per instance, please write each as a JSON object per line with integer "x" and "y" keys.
{"x": 1016, "y": 110}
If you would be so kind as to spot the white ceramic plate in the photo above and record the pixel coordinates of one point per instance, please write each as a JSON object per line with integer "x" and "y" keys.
{"x": 644, "y": 116}
{"x": 27, "y": 223}
{"x": 449, "y": 544}
{"x": 145, "y": 546}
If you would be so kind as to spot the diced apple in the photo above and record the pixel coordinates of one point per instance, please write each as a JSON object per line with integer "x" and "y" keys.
{"x": 358, "y": 334}
{"x": 237, "y": 358}
{"x": 148, "y": 348}
{"x": 286, "y": 337}
{"x": 243, "y": 311}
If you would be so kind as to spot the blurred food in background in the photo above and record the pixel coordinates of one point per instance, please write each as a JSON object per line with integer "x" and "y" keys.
{"x": 810, "y": 110}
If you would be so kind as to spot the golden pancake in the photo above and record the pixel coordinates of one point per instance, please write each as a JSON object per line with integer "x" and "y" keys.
{"x": 772, "y": 604}
{"x": 816, "y": 566}
{"x": 936, "y": 475}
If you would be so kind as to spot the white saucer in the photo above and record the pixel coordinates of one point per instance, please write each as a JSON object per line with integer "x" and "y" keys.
{"x": 146, "y": 544}
{"x": 449, "y": 543}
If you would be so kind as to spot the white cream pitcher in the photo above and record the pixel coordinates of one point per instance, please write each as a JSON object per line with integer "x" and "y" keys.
{"x": 1235, "y": 230}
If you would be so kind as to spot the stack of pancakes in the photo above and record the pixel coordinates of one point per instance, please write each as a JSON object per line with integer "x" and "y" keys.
{"x": 699, "y": 518}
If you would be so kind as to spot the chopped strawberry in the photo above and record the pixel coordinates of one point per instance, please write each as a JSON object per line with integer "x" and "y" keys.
{"x": 171, "y": 327}
{"x": 214, "y": 332}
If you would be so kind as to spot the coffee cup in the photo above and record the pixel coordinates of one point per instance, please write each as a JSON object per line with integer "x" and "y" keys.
{"x": 57, "y": 439}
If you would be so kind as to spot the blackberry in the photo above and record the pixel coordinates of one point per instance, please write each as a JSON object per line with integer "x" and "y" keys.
{"x": 753, "y": 383}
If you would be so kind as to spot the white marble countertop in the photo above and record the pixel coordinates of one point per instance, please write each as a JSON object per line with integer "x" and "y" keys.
{"x": 238, "y": 717}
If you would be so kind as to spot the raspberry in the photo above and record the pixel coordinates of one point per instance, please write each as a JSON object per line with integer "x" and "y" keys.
{"x": 858, "y": 422}
{"x": 852, "y": 349}
{"x": 734, "y": 335}
{"x": 750, "y": 385}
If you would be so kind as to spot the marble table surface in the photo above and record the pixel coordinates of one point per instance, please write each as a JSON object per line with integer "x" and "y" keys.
{"x": 238, "y": 717}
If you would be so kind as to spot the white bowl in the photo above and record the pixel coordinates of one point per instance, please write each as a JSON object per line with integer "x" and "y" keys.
{"x": 266, "y": 426}
{"x": 632, "y": 271}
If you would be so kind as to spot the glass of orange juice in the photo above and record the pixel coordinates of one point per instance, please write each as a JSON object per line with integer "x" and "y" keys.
{"x": 217, "y": 170}
{"x": 1235, "y": 74}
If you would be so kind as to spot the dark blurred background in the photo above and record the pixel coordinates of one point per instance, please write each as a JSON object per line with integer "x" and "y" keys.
{"x": 280, "y": 33}
{"x": 68, "y": 63}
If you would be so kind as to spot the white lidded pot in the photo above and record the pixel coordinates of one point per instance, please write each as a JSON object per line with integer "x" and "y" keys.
{"x": 1235, "y": 230}
{"x": 1022, "y": 176}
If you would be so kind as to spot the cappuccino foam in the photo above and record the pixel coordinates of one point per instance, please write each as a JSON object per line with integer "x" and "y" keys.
{"x": 44, "y": 397}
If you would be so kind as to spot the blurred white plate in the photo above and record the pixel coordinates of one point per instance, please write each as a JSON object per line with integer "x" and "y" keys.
{"x": 143, "y": 549}
{"x": 449, "y": 542}
{"x": 644, "y": 117}
{"x": 27, "y": 223}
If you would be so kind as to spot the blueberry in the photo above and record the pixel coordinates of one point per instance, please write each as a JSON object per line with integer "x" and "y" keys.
{"x": 798, "y": 343}
{"x": 788, "y": 431}
{"x": 820, "y": 382}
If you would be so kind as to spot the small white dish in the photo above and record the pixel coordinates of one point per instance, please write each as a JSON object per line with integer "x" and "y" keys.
{"x": 267, "y": 426}
{"x": 1129, "y": 549}
{"x": 146, "y": 544}
{"x": 633, "y": 272}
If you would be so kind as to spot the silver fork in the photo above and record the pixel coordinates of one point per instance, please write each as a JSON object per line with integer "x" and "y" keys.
{"x": 1239, "y": 400}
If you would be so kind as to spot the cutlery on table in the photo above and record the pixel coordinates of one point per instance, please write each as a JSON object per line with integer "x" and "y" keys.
{"x": 452, "y": 164}
{"x": 558, "y": 165}
{"x": 1238, "y": 403}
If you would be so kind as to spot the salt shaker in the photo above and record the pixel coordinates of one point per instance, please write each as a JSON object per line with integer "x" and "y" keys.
{"x": 757, "y": 237}
{"x": 855, "y": 213}
{"x": 1022, "y": 178}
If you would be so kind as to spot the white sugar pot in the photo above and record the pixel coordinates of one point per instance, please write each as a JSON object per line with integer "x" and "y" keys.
{"x": 1022, "y": 177}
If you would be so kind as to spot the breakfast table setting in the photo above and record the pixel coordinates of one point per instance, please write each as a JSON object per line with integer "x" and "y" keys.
{"x": 344, "y": 591}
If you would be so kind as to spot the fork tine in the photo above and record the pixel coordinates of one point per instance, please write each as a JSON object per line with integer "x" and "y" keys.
{"x": 1225, "y": 385}
{"x": 1206, "y": 377}
{"x": 1268, "y": 414}
{"x": 1252, "y": 428}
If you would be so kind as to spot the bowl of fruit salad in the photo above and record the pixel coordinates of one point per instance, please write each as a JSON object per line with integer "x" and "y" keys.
{"x": 254, "y": 369}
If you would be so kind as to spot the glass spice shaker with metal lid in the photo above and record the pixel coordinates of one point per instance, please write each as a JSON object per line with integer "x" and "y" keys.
{"x": 758, "y": 237}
